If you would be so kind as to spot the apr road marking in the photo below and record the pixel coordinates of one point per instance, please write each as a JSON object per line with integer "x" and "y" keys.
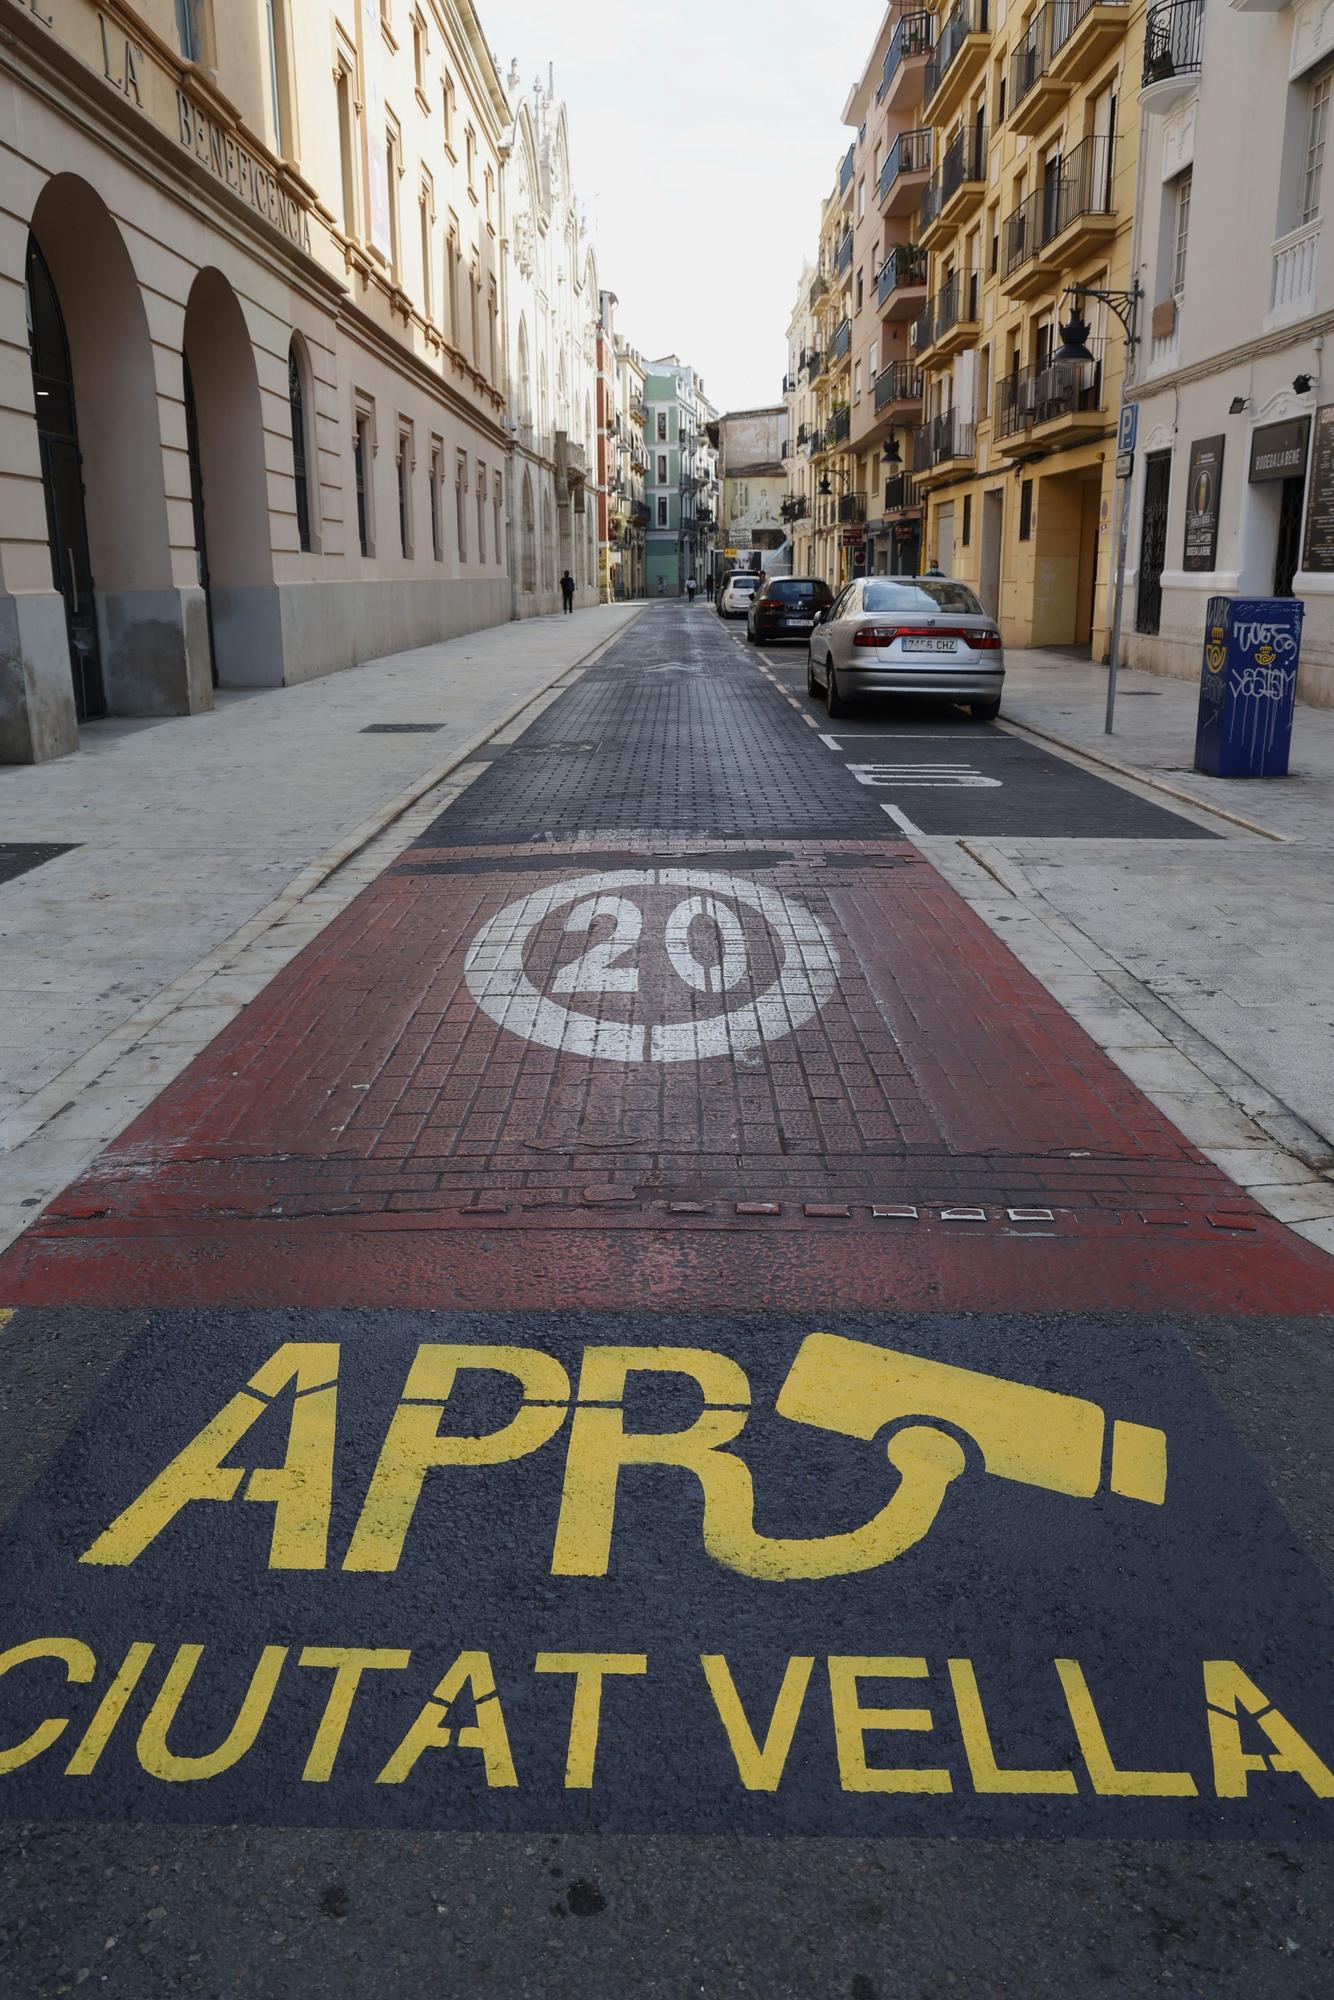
{"x": 707, "y": 913}
{"x": 540, "y": 1573}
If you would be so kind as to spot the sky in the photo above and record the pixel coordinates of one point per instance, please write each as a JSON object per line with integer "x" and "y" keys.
{"x": 703, "y": 136}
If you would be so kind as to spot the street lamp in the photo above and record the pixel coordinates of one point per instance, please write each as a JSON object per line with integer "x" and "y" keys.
{"x": 891, "y": 455}
{"x": 1074, "y": 348}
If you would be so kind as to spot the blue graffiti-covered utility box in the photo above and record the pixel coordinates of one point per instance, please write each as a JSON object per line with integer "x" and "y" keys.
{"x": 1248, "y": 686}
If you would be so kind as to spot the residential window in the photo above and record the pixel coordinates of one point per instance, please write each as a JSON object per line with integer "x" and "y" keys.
{"x": 452, "y": 280}
{"x": 489, "y": 192}
{"x": 662, "y": 426}
{"x": 497, "y": 508}
{"x": 662, "y": 468}
{"x": 461, "y": 503}
{"x": 297, "y": 410}
{"x": 857, "y": 382}
{"x": 984, "y": 382}
{"x": 437, "y": 481}
{"x": 403, "y": 474}
{"x": 1180, "y": 232}
{"x": 447, "y": 101}
{"x": 860, "y": 293}
{"x": 426, "y": 212}
{"x": 662, "y": 511}
{"x": 280, "y": 78}
{"x": 1317, "y": 126}
{"x": 192, "y": 26}
{"x": 474, "y": 292}
{"x": 393, "y": 155}
{"x": 481, "y": 513}
{"x": 873, "y": 365}
{"x": 361, "y": 466}
{"x": 470, "y": 149}
{"x": 861, "y": 198}
{"x": 419, "y": 53}
{"x": 1025, "y": 510}
{"x": 966, "y": 533}
{"x": 493, "y": 320}
{"x": 345, "y": 87}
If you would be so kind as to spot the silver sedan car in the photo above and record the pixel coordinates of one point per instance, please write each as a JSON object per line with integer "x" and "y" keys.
{"x": 907, "y": 635}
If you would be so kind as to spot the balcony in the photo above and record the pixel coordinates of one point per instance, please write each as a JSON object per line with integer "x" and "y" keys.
{"x": 846, "y": 167}
{"x": 637, "y": 409}
{"x": 1035, "y": 94}
{"x": 843, "y": 255}
{"x": 838, "y": 427}
{"x": 815, "y": 444}
{"x": 903, "y": 78}
{"x": 813, "y": 364}
{"x": 841, "y": 342}
{"x": 1294, "y": 261}
{"x": 821, "y": 284}
{"x": 899, "y": 493}
{"x": 1173, "y": 32}
{"x": 899, "y": 189}
{"x": 941, "y": 447}
{"x": 956, "y": 188}
{"x": 948, "y": 323}
{"x": 794, "y": 508}
{"x": 1059, "y": 402}
{"x": 1067, "y": 218}
{"x": 901, "y": 282}
{"x": 957, "y": 60}
{"x": 571, "y": 466}
{"x": 1083, "y": 32}
{"x": 899, "y": 384}
{"x": 852, "y": 507}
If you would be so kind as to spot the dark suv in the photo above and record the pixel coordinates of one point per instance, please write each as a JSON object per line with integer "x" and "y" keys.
{"x": 786, "y": 609}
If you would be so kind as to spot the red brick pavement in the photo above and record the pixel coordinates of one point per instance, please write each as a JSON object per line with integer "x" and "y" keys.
{"x": 365, "y": 1134}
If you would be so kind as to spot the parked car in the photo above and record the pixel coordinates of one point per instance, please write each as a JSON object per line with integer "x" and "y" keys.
{"x": 736, "y": 593}
{"x": 907, "y": 635}
{"x": 785, "y": 608}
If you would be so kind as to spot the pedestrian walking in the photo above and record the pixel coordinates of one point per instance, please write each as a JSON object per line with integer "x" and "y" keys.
{"x": 567, "y": 591}
{"x": 690, "y": 588}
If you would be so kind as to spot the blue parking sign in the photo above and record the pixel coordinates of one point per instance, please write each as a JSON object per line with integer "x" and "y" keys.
{"x": 1127, "y": 427}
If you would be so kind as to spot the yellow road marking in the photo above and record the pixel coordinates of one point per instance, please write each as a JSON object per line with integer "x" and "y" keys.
{"x": 6, "y": 1314}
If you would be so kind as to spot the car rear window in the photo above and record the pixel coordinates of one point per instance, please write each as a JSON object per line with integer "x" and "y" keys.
{"x": 801, "y": 590}
{"x": 744, "y": 582}
{"x": 921, "y": 594}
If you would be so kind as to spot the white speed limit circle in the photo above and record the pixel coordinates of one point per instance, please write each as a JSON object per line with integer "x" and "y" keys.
{"x": 724, "y": 964}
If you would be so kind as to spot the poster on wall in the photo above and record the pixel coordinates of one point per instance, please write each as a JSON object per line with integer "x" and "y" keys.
{"x": 1319, "y": 551}
{"x": 377, "y": 137}
{"x": 1203, "y": 491}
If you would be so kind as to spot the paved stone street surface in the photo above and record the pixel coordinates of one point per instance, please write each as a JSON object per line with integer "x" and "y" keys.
{"x": 773, "y": 1467}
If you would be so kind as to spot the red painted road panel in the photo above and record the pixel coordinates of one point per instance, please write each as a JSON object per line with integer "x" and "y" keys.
{"x": 365, "y": 1133}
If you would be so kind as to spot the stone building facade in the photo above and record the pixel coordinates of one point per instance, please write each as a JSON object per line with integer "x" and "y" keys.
{"x": 251, "y": 299}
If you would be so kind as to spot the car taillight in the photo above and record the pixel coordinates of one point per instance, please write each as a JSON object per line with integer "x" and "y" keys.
{"x": 990, "y": 641}
{"x": 767, "y": 603}
{"x": 875, "y": 635}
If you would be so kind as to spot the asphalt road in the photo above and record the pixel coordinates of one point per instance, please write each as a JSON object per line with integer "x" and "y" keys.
{"x": 655, "y": 1418}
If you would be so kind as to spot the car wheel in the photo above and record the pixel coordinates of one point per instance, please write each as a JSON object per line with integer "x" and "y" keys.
{"x": 834, "y": 701}
{"x": 984, "y": 711}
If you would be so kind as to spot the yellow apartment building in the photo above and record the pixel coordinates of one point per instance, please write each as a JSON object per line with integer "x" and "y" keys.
{"x": 827, "y": 365}
{"x": 1033, "y": 114}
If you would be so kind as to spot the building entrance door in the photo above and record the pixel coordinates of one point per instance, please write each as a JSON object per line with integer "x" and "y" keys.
{"x": 1288, "y": 552}
{"x": 993, "y": 512}
{"x": 197, "y": 509}
{"x": 62, "y": 484}
{"x": 1153, "y": 541}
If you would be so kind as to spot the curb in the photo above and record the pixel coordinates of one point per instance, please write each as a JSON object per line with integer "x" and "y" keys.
{"x": 1145, "y": 778}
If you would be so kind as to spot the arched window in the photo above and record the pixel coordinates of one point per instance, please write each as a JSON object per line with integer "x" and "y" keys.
{"x": 529, "y": 536}
{"x": 525, "y": 383}
{"x": 297, "y": 404}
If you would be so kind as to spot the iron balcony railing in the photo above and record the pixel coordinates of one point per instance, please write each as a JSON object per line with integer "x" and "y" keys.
{"x": 954, "y": 304}
{"x": 968, "y": 18}
{"x": 912, "y": 37}
{"x": 803, "y": 432}
{"x": 839, "y": 425}
{"x": 1067, "y": 15}
{"x": 793, "y": 508}
{"x": 1172, "y": 35}
{"x": 1032, "y": 58}
{"x": 942, "y": 439}
{"x": 1079, "y": 184}
{"x": 814, "y": 363}
{"x": 901, "y": 382}
{"x": 964, "y": 159}
{"x": 852, "y": 507}
{"x": 1040, "y": 395}
{"x": 815, "y": 444}
{"x": 843, "y": 255}
{"x": 841, "y": 341}
{"x": 911, "y": 153}
{"x": 845, "y": 170}
{"x": 899, "y": 492}
{"x": 905, "y": 266}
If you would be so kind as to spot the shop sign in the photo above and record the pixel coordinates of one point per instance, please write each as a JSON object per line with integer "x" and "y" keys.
{"x": 1278, "y": 451}
{"x": 1319, "y": 551}
{"x": 1203, "y": 491}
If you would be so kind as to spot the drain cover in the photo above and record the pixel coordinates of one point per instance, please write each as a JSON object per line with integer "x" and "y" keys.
{"x": 401, "y": 728}
{"x": 17, "y": 857}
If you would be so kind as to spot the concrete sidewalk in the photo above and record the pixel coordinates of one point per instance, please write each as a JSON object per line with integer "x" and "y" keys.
{"x": 190, "y": 840}
{"x": 1223, "y": 952}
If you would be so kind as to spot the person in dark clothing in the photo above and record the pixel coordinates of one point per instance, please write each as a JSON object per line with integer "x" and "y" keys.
{"x": 567, "y": 591}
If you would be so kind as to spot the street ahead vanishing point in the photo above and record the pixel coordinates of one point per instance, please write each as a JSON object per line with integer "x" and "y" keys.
{"x": 655, "y": 1327}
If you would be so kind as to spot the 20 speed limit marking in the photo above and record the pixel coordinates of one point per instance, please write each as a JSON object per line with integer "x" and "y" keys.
{"x": 716, "y": 931}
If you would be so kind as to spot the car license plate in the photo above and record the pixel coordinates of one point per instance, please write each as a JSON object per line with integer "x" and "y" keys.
{"x": 929, "y": 645}
{"x": 798, "y": 624}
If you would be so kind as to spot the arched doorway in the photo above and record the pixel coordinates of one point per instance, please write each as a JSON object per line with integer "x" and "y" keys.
{"x": 529, "y": 553}
{"x": 126, "y": 644}
{"x": 229, "y": 487}
{"x": 62, "y": 483}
